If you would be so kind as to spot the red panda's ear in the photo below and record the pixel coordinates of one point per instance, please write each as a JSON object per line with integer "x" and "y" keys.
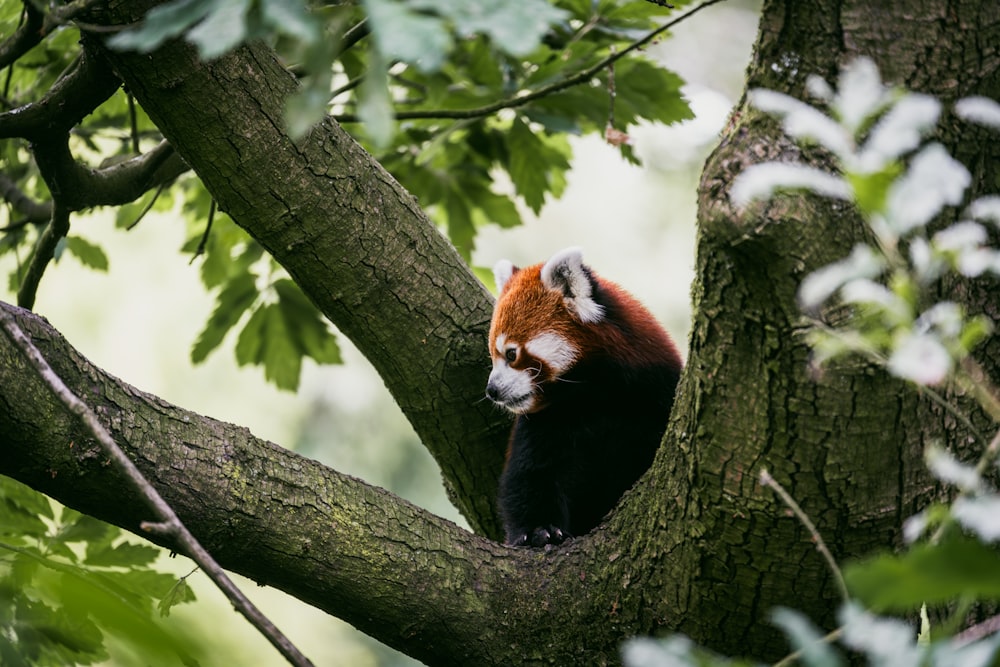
{"x": 503, "y": 271}
{"x": 566, "y": 274}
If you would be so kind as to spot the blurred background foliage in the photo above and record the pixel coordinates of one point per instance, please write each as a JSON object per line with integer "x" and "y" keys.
{"x": 517, "y": 183}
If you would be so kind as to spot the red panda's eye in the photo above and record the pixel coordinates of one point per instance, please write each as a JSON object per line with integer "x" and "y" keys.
{"x": 510, "y": 354}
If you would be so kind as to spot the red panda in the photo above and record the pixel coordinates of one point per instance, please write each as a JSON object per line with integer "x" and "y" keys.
{"x": 590, "y": 377}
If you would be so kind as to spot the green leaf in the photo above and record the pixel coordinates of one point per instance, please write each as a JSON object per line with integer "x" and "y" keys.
{"x": 935, "y": 574}
{"x": 406, "y": 35}
{"x": 460, "y": 229}
{"x": 647, "y": 91}
{"x": 90, "y": 255}
{"x": 516, "y": 28}
{"x": 535, "y": 166}
{"x": 234, "y": 300}
{"x": 25, "y": 498}
{"x": 163, "y": 22}
{"x": 83, "y": 528}
{"x": 223, "y": 29}
{"x": 310, "y": 332}
{"x": 125, "y": 554}
{"x": 292, "y": 19}
{"x": 179, "y": 593}
{"x": 374, "y": 104}
{"x": 278, "y": 335}
{"x": 266, "y": 341}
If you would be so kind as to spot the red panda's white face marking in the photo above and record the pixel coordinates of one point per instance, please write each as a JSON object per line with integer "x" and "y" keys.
{"x": 539, "y": 314}
{"x": 520, "y": 370}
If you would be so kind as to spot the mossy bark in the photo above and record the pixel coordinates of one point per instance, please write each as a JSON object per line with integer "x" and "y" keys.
{"x": 698, "y": 546}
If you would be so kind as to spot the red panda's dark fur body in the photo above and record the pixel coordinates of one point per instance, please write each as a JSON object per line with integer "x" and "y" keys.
{"x": 602, "y": 385}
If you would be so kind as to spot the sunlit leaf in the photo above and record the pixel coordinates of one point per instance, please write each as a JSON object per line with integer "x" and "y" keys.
{"x": 888, "y": 642}
{"x": 980, "y": 514}
{"x": 761, "y": 181}
{"x": 950, "y": 470}
{"x": 179, "y": 593}
{"x": 821, "y": 284}
{"x": 224, "y": 28}
{"x": 980, "y": 110}
{"x": 161, "y": 23}
{"x": 934, "y": 180}
{"x": 805, "y": 638}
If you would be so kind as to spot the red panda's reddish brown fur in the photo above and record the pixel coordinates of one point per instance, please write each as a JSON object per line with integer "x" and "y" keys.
{"x": 591, "y": 375}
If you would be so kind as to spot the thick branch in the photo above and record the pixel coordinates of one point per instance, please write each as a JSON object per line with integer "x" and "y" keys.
{"x": 410, "y": 579}
{"x": 77, "y": 187}
{"x": 168, "y": 524}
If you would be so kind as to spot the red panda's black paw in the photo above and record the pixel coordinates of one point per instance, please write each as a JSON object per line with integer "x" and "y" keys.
{"x": 541, "y": 536}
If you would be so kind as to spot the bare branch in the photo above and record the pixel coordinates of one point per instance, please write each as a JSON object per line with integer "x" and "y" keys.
{"x": 45, "y": 250}
{"x": 520, "y": 100}
{"x": 86, "y": 84}
{"x": 168, "y": 521}
{"x": 78, "y": 187}
{"x": 34, "y": 212}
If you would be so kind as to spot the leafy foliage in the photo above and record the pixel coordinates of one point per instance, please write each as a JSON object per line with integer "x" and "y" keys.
{"x": 451, "y": 97}
{"x": 67, "y": 580}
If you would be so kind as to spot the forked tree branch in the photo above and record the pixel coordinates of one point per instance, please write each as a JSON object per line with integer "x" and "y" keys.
{"x": 168, "y": 524}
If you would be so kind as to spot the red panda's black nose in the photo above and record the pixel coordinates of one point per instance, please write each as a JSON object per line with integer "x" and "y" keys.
{"x": 492, "y": 392}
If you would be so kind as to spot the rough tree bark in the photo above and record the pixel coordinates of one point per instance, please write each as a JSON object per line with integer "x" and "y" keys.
{"x": 697, "y": 546}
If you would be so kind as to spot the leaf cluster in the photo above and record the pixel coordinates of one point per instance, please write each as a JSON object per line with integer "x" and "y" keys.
{"x": 67, "y": 581}
{"x": 453, "y": 98}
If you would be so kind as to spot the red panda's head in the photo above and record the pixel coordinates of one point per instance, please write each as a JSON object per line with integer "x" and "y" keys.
{"x": 539, "y": 327}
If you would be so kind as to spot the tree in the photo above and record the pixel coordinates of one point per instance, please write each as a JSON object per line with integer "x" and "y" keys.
{"x": 697, "y": 547}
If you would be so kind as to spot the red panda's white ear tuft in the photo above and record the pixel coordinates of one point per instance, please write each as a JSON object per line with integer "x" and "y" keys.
{"x": 502, "y": 273}
{"x": 566, "y": 274}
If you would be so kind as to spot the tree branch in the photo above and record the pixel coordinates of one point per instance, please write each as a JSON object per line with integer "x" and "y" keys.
{"x": 77, "y": 187}
{"x": 34, "y": 212}
{"x": 82, "y": 89}
{"x": 45, "y": 250}
{"x": 406, "y": 577}
{"x": 169, "y": 526}
{"x": 520, "y": 100}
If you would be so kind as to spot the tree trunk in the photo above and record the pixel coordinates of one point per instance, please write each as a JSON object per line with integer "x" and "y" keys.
{"x": 698, "y": 546}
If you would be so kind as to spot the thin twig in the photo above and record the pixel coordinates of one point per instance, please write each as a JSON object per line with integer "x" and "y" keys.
{"x": 204, "y": 237}
{"x": 790, "y": 659}
{"x": 147, "y": 208}
{"x": 767, "y": 480}
{"x": 518, "y": 101}
{"x": 45, "y": 249}
{"x": 139, "y": 485}
{"x": 978, "y": 631}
